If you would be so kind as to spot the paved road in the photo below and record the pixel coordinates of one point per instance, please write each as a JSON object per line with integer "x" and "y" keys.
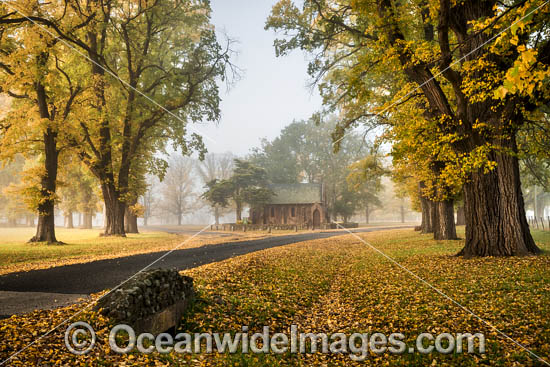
{"x": 86, "y": 278}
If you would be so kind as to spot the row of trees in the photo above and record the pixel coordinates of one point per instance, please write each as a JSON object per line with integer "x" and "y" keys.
{"x": 179, "y": 193}
{"x": 77, "y": 192}
{"x": 104, "y": 85}
{"x": 459, "y": 89}
{"x": 166, "y": 201}
{"x": 534, "y": 148}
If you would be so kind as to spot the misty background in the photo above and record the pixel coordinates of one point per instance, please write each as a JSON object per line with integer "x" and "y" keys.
{"x": 271, "y": 94}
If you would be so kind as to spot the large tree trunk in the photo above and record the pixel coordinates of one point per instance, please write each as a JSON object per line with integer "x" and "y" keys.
{"x": 114, "y": 211}
{"x": 179, "y": 219}
{"x": 130, "y": 221}
{"x": 45, "y": 230}
{"x": 132, "y": 224}
{"x": 102, "y": 165}
{"x": 495, "y": 214}
{"x": 427, "y": 225}
{"x": 428, "y": 212}
{"x": 444, "y": 228}
{"x": 460, "y": 216}
{"x": 367, "y": 213}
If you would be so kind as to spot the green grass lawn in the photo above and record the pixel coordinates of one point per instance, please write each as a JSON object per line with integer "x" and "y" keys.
{"x": 342, "y": 285}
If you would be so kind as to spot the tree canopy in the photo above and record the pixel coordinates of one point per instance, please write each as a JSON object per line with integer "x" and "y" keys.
{"x": 141, "y": 72}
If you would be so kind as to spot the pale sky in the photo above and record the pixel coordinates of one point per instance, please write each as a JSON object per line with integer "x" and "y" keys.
{"x": 272, "y": 91}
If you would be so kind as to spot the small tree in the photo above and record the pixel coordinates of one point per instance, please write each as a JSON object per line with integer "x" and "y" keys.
{"x": 12, "y": 206}
{"x": 78, "y": 192}
{"x": 346, "y": 204}
{"x": 177, "y": 189}
{"x": 216, "y": 167}
{"x": 247, "y": 185}
{"x": 364, "y": 179}
{"x": 68, "y": 185}
{"x": 149, "y": 199}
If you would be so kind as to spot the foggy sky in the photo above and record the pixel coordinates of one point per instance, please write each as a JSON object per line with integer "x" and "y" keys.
{"x": 272, "y": 92}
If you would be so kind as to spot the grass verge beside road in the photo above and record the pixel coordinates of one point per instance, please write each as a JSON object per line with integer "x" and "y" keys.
{"x": 84, "y": 245}
{"x": 340, "y": 285}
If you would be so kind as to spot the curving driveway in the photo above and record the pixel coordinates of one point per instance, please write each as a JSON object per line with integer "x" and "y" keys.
{"x": 48, "y": 288}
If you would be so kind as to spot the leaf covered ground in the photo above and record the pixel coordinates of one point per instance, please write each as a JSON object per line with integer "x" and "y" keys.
{"x": 339, "y": 285}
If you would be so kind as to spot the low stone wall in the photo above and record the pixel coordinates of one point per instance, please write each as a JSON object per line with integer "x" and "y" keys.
{"x": 153, "y": 301}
